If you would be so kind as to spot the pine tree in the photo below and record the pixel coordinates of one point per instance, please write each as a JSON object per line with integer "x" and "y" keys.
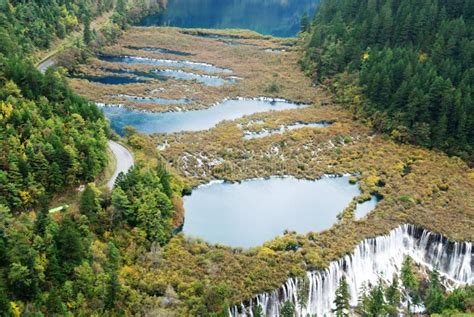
{"x": 56, "y": 179}
{"x": 303, "y": 291}
{"x": 54, "y": 302}
{"x": 87, "y": 35}
{"x": 257, "y": 311}
{"x": 4, "y": 301}
{"x": 342, "y": 299}
{"x": 457, "y": 299}
{"x": 70, "y": 247}
{"x": 377, "y": 303}
{"x": 113, "y": 287}
{"x": 120, "y": 6}
{"x": 363, "y": 301}
{"x": 434, "y": 299}
{"x": 165, "y": 179}
{"x": 393, "y": 297}
{"x": 305, "y": 26}
{"x": 121, "y": 205}
{"x": 409, "y": 282}
{"x": 288, "y": 309}
{"x": 89, "y": 204}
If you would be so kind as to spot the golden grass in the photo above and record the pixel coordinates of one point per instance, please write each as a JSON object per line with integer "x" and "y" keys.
{"x": 418, "y": 186}
{"x": 440, "y": 192}
{"x": 257, "y": 68}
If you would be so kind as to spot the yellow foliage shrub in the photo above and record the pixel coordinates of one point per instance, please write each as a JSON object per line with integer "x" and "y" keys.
{"x": 15, "y": 309}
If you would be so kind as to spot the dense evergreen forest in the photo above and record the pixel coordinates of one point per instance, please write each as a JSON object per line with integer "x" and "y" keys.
{"x": 406, "y": 66}
{"x": 35, "y": 24}
{"x": 51, "y": 141}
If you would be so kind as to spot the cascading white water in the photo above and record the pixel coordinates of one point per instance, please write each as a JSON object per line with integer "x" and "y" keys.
{"x": 371, "y": 259}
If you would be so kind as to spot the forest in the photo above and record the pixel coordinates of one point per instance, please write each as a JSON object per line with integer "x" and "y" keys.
{"x": 405, "y": 67}
{"x": 51, "y": 138}
{"x": 36, "y": 24}
{"x": 385, "y": 299}
{"x": 51, "y": 141}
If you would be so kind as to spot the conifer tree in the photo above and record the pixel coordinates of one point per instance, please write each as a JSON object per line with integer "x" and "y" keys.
{"x": 89, "y": 204}
{"x": 87, "y": 35}
{"x": 342, "y": 299}
{"x": 393, "y": 296}
{"x": 434, "y": 299}
{"x": 288, "y": 309}
{"x": 305, "y": 25}
{"x": 257, "y": 311}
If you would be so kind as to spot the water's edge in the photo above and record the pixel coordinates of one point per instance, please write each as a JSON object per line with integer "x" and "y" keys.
{"x": 372, "y": 258}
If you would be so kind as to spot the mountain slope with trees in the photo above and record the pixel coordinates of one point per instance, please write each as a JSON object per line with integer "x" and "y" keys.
{"x": 51, "y": 141}
{"x": 404, "y": 65}
{"x": 35, "y": 24}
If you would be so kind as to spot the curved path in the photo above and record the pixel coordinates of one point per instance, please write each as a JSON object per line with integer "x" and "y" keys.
{"x": 124, "y": 161}
{"x": 44, "y": 65}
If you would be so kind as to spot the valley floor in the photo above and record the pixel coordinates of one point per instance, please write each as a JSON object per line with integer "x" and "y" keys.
{"x": 417, "y": 186}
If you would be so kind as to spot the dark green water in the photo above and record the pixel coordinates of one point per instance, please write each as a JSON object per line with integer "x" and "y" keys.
{"x": 274, "y": 17}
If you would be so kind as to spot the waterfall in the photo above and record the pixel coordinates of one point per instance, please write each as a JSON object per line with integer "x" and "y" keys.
{"x": 371, "y": 259}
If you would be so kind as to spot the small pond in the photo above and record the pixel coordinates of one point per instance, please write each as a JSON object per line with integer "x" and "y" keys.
{"x": 212, "y": 81}
{"x": 249, "y": 213}
{"x": 163, "y": 62}
{"x": 195, "y": 120}
{"x": 113, "y": 80}
{"x": 157, "y": 100}
{"x": 364, "y": 208}
{"x": 135, "y": 73}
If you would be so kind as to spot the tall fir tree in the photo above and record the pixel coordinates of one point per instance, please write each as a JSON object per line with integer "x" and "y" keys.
{"x": 342, "y": 300}
{"x": 434, "y": 299}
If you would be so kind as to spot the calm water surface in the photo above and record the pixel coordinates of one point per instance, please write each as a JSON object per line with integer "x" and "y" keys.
{"x": 168, "y": 122}
{"x": 113, "y": 80}
{"x": 163, "y": 62}
{"x": 249, "y": 213}
{"x": 157, "y": 100}
{"x": 366, "y": 207}
{"x": 208, "y": 80}
{"x": 275, "y": 17}
{"x": 165, "y": 74}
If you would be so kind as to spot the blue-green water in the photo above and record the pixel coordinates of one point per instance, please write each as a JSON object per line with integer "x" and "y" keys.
{"x": 249, "y": 213}
{"x": 275, "y": 17}
{"x": 364, "y": 208}
{"x": 163, "y": 63}
{"x": 135, "y": 73}
{"x": 159, "y": 74}
{"x": 168, "y": 122}
{"x": 157, "y": 100}
{"x": 208, "y": 80}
